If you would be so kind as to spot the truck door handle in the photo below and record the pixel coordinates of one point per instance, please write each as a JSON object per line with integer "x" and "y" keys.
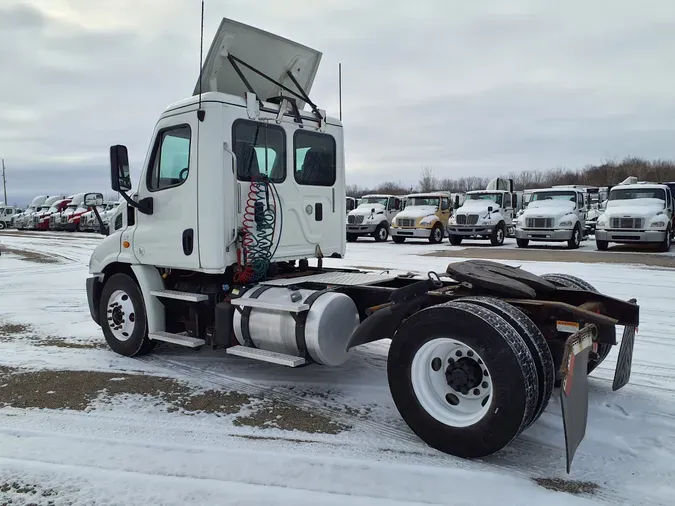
{"x": 188, "y": 241}
{"x": 318, "y": 211}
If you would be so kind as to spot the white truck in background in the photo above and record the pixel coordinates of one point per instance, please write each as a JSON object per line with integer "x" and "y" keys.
{"x": 554, "y": 214}
{"x": 373, "y": 217}
{"x": 637, "y": 213}
{"x": 351, "y": 203}
{"x": 21, "y": 220}
{"x": 7, "y": 215}
{"x": 486, "y": 214}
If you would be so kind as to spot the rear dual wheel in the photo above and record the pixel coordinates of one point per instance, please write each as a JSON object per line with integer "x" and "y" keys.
{"x": 463, "y": 377}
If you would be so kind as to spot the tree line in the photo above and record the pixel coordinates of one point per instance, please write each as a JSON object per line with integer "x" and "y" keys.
{"x": 606, "y": 174}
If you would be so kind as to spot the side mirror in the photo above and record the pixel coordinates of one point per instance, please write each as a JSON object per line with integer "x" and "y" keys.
{"x": 456, "y": 201}
{"x": 489, "y": 209}
{"x": 120, "y": 177}
{"x": 93, "y": 199}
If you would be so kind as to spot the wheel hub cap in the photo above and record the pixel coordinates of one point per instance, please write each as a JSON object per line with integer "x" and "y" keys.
{"x": 121, "y": 315}
{"x": 464, "y": 375}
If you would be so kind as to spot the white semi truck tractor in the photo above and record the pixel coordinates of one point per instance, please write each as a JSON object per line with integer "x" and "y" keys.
{"x": 225, "y": 239}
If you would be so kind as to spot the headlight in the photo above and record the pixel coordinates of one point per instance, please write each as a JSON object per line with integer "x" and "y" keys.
{"x": 452, "y": 221}
{"x": 427, "y": 220}
{"x": 658, "y": 224}
{"x": 566, "y": 223}
{"x": 600, "y": 224}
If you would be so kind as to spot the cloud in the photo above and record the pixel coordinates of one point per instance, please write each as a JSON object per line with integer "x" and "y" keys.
{"x": 463, "y": 87}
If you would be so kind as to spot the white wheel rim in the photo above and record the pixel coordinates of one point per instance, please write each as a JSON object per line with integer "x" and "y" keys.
{"x": 437, "y": 234}
{"x": 431, "y": 386}
{"x": 121, "y": 315}
{"x": 383, "y": 233}
{"x": 500, "y": 235}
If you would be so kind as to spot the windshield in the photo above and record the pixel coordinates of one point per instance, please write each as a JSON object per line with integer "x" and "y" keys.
{"x": 423, "y": 201}
{"x": 493, "y": 197}
{"x": 72, "y": 207}
{"x": 374, "y": 200}
{"x": 637, "y": 193}
{"x": 558, "y": 195}
{"x": 53, "y": 209}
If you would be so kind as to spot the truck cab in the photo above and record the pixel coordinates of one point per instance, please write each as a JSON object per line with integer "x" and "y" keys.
{"x": 637, "y": 213}
{"x": 22, "y": 220}
{"x": 553, "y": 215}
{"x": 425, "y": 216}
{"x": 486, "y": 214}
{"x": 373, "y": 217}
{"x": 52, "y": 213}
{"x": 45, "y": 209}
{"x": 350, "y": 204}
{"x": 7, "y": 215}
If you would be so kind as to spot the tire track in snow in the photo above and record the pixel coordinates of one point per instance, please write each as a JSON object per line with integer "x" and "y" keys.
{"x": 548, "y": 458}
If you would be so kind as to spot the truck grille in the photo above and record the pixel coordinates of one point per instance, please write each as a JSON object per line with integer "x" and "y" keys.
{"x": 466, "y": 219}
{"x": 52, "y": 220}
{"x": 539, "y": 222}
{"x": 355, "y": 219}
{"x": 626, "y": 223}
{"x": 405, "y": 222}
{"x": 64, "y": 219}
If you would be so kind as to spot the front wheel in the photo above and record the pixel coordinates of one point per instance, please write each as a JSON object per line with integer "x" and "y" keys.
{"x": 381, "y": 233}
{"x": 522, "y": 243}
{"x": 601, "y": 245}
{"x": 497, "y": 237}
{"x": 398, "y": 239}
{"x": 456, "y": 372}
{"x": 436, "y": 236}
{"x": 123, "y": 317}
{"x": 667, "y": 241}
{"x": 352, "y": 237}
{"x": 575, "y": 241}
{"x": 456, "y": 240}
{"x": 2, "y": 225}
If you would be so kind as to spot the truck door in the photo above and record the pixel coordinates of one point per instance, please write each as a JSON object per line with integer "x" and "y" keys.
{"x": 393, "y": 207}
{"x": 445, "y": 210}
{"x": 169, "y": 237}
{"x": 581, "y": 209}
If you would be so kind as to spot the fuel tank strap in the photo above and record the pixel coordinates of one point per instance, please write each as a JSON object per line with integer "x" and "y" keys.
{"x": 301, "y": 320}
{"x": 246, "y": 313}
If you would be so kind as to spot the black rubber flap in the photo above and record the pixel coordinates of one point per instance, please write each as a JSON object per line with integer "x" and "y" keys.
{"x": 500, "y": 278}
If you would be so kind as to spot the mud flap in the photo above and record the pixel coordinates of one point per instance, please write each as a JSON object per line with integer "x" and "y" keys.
{"x": 625, "y": 360}
{"x": 574, "y": 388}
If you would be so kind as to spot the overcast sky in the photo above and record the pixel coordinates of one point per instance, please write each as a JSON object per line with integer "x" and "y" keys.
{"x": 467, "y": 88}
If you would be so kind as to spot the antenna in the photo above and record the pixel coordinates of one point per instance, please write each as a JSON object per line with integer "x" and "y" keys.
{"x": 340, "y": 87}
{"x": 4, "y": 180}
{"x": 200, "y": 113}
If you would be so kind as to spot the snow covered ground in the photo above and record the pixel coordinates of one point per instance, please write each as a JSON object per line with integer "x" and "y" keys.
{"x": 215, "y": 429}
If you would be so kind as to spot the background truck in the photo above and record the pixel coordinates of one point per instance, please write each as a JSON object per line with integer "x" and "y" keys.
{"x": 637, "y": 213}
{"x": 242, "y": 267}
{"x": 70, "y": 218}
{"x": 43, "y": 219}
{"x": 553, "y": 215}
{"x": 351, "y": 204}
{"x": 21, "y": 221}
{"x": 373, "y": 217}
{"x": 486, "y": 214}
{"x": 425, "y": 216}
{"x": 7, "y": 215}
{"x": 45, "y": 209}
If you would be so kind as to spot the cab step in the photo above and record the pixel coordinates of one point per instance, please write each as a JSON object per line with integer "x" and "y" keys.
{"x": 266, "y": 356}
{"x": 261, "y": 304}
{"x": 179, "y": 339}
{"x": 175, "y": 294}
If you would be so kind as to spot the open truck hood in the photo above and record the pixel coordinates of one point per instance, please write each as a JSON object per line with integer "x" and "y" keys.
{"x": 266, "y": 52}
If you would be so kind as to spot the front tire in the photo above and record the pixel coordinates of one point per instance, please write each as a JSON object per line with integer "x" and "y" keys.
{"x": 352, "y": 237}
{"x": 601, "y": 245}
{"x": 381, "y": 233}
{"x": 523, "y": 243}
{"x": 456, "y": 240}
{"x": 498, "y": 234}
{"x": 667, "y": 241}
{"x": 575, "y": 241}
{"x": 123, "y": 317}
{"x": 462, "y": 379}
{"x": 398, "y": 239}
{"x": 2, "y": 225}
{"x": 436, "y": 236}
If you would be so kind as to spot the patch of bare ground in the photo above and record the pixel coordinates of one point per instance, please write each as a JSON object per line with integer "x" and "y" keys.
{"x": 77, "y": 390}
{"x": 287, "y": 417}
{"x": 12, "y": 331}
{"x": 552, "y": 254}
{"x": 574, "y": 487}
{"x": 30, "y": 256}
{"x": 25, "y": 493}
{"x": 58, "y": 342}
{"x": 80, "y": 390}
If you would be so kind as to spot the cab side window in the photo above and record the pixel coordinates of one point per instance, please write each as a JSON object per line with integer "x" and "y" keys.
{"x": 315, "y": 159}
{"x": 445, "y": 204}
{"x": 170, "y": 164}
{"x": 580, "y": 201}
{"x": 260, "y": 149}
